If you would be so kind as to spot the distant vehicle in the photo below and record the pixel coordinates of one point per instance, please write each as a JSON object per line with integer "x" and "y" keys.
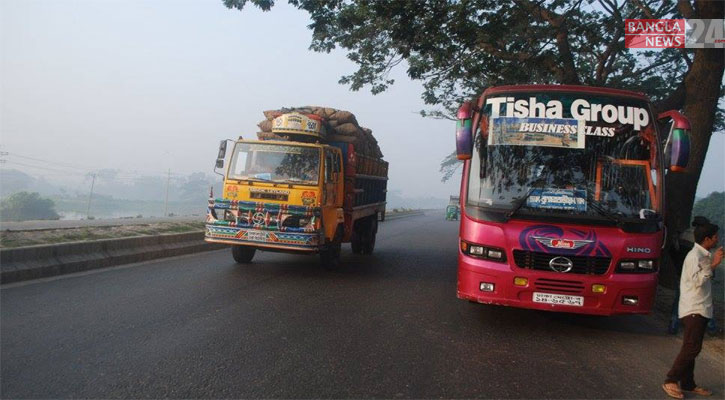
{"x": 569, "y": 216}
{"x": 453, "y": 209}
{"x": 305, "y": 194}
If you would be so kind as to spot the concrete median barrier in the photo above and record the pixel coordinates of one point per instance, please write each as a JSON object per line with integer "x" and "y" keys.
{"x": 32, "y": 262}
{"x": 42, "y": 261}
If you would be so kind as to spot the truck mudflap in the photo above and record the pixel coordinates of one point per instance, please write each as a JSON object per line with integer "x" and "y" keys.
{"x": 260, "y": 224}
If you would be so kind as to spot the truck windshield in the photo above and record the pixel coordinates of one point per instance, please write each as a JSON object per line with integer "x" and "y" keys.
{"x": 275, "y": 163}
{"x": 570, "y": 154}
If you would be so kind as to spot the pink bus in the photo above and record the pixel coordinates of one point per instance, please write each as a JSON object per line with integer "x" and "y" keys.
{"x": 562, "y": 197}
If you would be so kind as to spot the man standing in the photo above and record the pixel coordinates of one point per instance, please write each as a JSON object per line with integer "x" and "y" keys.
{"x": 695, "y": 309}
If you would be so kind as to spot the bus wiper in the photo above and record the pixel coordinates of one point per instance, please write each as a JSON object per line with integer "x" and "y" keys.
{"x": 521, "y": 201}
{"x": 602, "y": 211}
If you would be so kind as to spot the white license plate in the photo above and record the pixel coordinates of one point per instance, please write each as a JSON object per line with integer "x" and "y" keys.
{"x": 257, "y": 236}
{"x": 560, "y": 299}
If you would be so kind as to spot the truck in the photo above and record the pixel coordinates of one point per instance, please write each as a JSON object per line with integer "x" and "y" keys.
{"x": 562, "y": 197}
{"x": 298, "y": 192}
{"x": 453, "y": 209}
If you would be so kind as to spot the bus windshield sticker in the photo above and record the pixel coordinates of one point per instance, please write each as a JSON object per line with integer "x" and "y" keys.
{"x": 558, "y": 199}
{"x": 546, "y": 132}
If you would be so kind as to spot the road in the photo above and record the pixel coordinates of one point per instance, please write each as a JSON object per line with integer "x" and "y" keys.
{"x": 387, "y": 325}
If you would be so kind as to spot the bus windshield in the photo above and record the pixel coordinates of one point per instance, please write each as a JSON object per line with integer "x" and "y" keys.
{"x": 568, "y": 154}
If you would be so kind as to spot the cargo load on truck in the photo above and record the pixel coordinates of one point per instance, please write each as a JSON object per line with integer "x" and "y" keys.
{"x": 315, "y": 179}
{"x": 337, "y": 126}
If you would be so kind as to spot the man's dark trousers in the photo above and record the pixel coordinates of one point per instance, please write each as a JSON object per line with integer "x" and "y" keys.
{"x": 683, "y": 370}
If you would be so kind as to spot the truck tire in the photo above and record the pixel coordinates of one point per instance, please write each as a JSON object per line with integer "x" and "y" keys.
{"x": 356, "y": 242}
{"x": 243, "y": 254}
{"x": 372, "y": 231}
{"x": 330, "y": 254}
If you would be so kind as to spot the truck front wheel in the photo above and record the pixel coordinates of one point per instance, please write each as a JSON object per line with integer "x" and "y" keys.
{"x": 243, "y": 254}
{"x": 330, "y": 253}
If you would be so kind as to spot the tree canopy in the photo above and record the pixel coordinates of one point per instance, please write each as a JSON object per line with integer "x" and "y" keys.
{"x": 458, "y": 48}
{"x": 24, "y": 206}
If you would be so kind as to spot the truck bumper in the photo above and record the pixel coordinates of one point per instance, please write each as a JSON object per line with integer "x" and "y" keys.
{"x": 291, "y": 241}
{"x": 472, "y": 272}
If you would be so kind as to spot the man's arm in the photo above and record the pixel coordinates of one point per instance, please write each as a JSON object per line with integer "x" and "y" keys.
{"x": 698, "y": 270}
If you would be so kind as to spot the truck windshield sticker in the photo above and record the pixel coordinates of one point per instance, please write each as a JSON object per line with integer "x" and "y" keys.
{"x": 275, "y": 148}
{"x": 547, "y": 132}
{"x": 558, "y": 199}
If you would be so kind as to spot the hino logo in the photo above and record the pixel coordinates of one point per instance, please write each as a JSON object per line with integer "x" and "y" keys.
{"x": 561, "y": 264}
{"x": 559, "y": 243}
{"x": 645, "y": 250}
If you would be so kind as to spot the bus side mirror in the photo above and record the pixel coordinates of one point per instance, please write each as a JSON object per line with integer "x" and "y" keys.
{"x": 219, "y": 163}
{"x": 677, "y": 146}
{"x": 464, "y": 132}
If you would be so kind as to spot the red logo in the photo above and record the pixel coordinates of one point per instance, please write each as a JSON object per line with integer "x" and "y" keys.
{"x": 308, "y": 197}
{"x": 654, "y": 33}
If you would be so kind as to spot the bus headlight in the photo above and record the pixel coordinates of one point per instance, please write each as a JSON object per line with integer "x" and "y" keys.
{"x": 485, "y": 252}
{"x": 637, "y": 266}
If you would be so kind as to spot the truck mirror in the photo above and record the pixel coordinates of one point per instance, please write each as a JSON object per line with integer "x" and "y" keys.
{"x": 677, "y": 146}
{"x": 464, "y": 132}
{"x": 222, "y": 150}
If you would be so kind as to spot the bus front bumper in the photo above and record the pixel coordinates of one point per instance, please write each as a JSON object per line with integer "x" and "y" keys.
{"x": 490, "y": 282}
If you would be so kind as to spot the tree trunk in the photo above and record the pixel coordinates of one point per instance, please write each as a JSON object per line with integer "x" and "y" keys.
{"x": 702, "y": 90}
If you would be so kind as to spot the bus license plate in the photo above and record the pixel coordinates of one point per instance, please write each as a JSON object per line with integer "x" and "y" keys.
{"x": 257, "y": 236}
{"x": 560, "y": 299}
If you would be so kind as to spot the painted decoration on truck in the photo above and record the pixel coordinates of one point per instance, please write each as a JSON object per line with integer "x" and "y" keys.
{"x": 558, "y": 199}
{"x": 260, "y": 236}
{"x": 546, "y": 132}
{"x": 566, "y": 241}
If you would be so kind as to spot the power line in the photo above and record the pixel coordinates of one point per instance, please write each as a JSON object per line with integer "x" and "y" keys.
{"x": 91, "y": 169}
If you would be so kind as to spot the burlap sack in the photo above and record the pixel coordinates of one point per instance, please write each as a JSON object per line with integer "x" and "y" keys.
{"x": 265, "y": 126}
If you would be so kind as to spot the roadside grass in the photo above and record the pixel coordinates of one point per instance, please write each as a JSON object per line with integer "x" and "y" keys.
{"x": 10, "y": 238}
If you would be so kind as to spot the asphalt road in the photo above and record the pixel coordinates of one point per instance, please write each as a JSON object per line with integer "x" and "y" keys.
{"x": 385, "y": 326}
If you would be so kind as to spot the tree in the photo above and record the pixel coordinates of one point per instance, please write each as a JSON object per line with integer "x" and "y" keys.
{"x": 712, "y": 207}
{"x": 457, "y": 49}
{"x": 24, "y": 206}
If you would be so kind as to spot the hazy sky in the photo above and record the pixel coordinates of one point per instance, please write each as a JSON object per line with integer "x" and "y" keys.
{"x": 151, "y": 85}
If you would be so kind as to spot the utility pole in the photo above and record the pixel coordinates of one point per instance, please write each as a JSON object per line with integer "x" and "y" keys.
{"x": 90, "y": 196}
{"x": 166, "y": 202}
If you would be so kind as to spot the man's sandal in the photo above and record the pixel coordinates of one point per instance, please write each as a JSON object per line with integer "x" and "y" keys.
{"x": 673, "y": 390}
{"x": 701, "y": 391}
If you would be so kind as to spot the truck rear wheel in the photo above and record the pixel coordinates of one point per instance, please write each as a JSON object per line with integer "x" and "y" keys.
{"x": 243, "y": 254}
{"x": 372, "y": 231}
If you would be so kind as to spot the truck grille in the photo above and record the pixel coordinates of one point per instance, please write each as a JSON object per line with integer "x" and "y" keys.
{"x": 582, "y": 264}
{"x": 559, "y": 286}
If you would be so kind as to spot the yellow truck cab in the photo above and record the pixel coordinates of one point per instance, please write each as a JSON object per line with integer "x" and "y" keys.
{"x": 302, "y": 194}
